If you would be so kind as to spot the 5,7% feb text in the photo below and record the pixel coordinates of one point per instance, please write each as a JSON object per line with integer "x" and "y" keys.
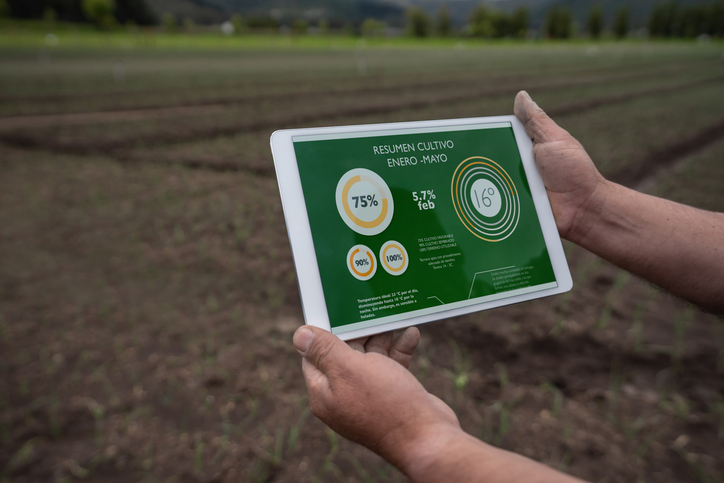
{"x": 424, "y": 199}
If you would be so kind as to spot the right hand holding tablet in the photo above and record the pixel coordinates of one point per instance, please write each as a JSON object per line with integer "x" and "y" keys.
{"x": 573, "y": 183}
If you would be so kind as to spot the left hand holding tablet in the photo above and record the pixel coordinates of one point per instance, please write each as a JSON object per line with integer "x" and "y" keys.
{"x": 363, "y": 391}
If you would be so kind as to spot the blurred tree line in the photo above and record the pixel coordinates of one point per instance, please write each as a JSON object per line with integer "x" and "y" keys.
{"x": 484, "y": 22}
{"x": 667, "y": 20}
{"x": 673, "y": 20}
{"x": 101, "y": 12}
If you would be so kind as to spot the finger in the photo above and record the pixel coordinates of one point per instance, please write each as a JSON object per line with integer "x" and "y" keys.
{"x": 315, "y": 379}
{"x": 539, "y": 127}
{"x": 380, "y": 343}
{"x": 358, "y": 344}
{"x": 323, "y": 349}
{"x": 405, "y": 346}
{"x": 317, "y": 386}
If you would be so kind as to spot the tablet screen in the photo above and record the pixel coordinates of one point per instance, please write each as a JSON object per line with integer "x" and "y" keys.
{"x": 418, "y": 221}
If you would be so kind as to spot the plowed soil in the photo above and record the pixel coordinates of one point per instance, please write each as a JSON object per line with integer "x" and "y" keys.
{"x": 148, "y": 295}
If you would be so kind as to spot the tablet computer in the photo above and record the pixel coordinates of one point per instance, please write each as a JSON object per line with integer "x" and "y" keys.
{"x": 393, "y": 225}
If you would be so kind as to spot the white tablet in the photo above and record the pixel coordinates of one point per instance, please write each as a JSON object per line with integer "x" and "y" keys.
{"x": 393, "y": 225}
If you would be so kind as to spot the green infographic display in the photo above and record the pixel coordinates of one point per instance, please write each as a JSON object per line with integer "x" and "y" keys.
{"x": 418, "y": 221}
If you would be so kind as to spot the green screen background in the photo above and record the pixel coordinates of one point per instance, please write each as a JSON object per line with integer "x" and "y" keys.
{"x": 323, "y": 163}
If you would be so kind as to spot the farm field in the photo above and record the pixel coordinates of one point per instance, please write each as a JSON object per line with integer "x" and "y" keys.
{"x": 148, "y": 296}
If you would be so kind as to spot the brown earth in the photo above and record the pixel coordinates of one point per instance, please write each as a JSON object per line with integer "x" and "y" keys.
{"x": 147, "y": 291}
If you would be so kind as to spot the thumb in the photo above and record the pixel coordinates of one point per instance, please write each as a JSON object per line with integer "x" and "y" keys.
{"x": 539, "y": 127}
{"x": 323, "y": 349}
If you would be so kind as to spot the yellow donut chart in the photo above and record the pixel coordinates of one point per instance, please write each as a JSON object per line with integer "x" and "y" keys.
{"x": 345, "y": 200}
{"x": 394, "y": 258}
{"x": 387, "y": 265}
{"x": 360, "y": 274}
{"x": 361, "y": 257}
{"x": 364, "y": 202}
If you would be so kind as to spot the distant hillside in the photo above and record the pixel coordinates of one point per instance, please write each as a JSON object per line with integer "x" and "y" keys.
{"x": 341, "y": 12}
{"x": 71, "y": 10}
{"x": 198, "y": 11}
{"x": 460, "y": 9}
{"x": 337, "y": 11}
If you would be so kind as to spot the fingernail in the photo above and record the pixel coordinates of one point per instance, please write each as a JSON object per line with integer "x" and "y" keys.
{"x": 302, "y": 338}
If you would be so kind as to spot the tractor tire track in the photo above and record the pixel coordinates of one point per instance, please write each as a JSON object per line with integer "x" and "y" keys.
{"x": 636, "y": 175}
{"x": 373, "y": 82}
{"x": 39, "y": 140}
{"x": 509, "y": 84}
{"x": 590, "y": 104}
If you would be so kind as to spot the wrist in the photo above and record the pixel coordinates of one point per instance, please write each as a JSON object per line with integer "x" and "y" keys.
{"x": 589, "y": 212}
{"x": 417, "y": 456}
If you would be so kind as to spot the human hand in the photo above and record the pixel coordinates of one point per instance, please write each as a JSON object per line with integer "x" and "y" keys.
{"x": 572, "y": 181}
{"x": 364, "y": 392}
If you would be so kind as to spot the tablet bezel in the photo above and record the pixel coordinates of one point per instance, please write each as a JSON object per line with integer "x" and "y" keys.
{"x": 299, "y": 230}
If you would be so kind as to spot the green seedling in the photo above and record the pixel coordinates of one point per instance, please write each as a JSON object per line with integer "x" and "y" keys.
{"x": 503, "y": 422}
{"x": 363, "y": 474}
{"x": 562, "y": 310}
{"x": 253, "y": 407}
{"x": 384, "y": 473}
{"x": 696, "y": 469}
{"x": 681, "y": 405}
{"x": 502, "y": 374}
{"x": 644, "y": 446}
{"x": 297, "y": 429}
{"x": 198, "y": 455}
{"x": 637, "y": 327}
{"x": 622, "y": 279}
{"x": 682, "y": 321}
{"x": 19, "y": 458}
{"x": 461, "y": 374}
{"x": 212, "y": 305}
{"x": 330, "y": 467}
{"x": 77, "y": 470}
{"x": 664, "y": 383}
{"x": 566, "y": 430}
{"x": 24, "y": 386}
{"x": 333, "y": 442}
{"x": 720, "y": 358}
{"x": 605, "y": 317}
{"x": 485, "y": 428}
{"x": 227, "y": 428}
{"x": 557, "y": 398}
{"x": 590, "y": 265}
{"x": 630, "y": 431}
{"x": 147, "y": 463}
{"x": 278, "y": 446}
{"x": 614, "y": 386}
{"x": 53, "y": 422}
{"x": 565, "y": 462}
{"x": 258, "y": 471}
{"x": 5, "y": 433}
{"x": 4, "y": 332}
{"x": 717, "y": 409}
{"x": 98, "y": 412}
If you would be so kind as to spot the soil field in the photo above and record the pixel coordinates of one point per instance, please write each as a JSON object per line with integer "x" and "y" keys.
{"x": 148, "y": 295}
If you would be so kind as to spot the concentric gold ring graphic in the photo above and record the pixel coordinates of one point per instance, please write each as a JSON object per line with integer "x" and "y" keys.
{"x": 502, "y": 222}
